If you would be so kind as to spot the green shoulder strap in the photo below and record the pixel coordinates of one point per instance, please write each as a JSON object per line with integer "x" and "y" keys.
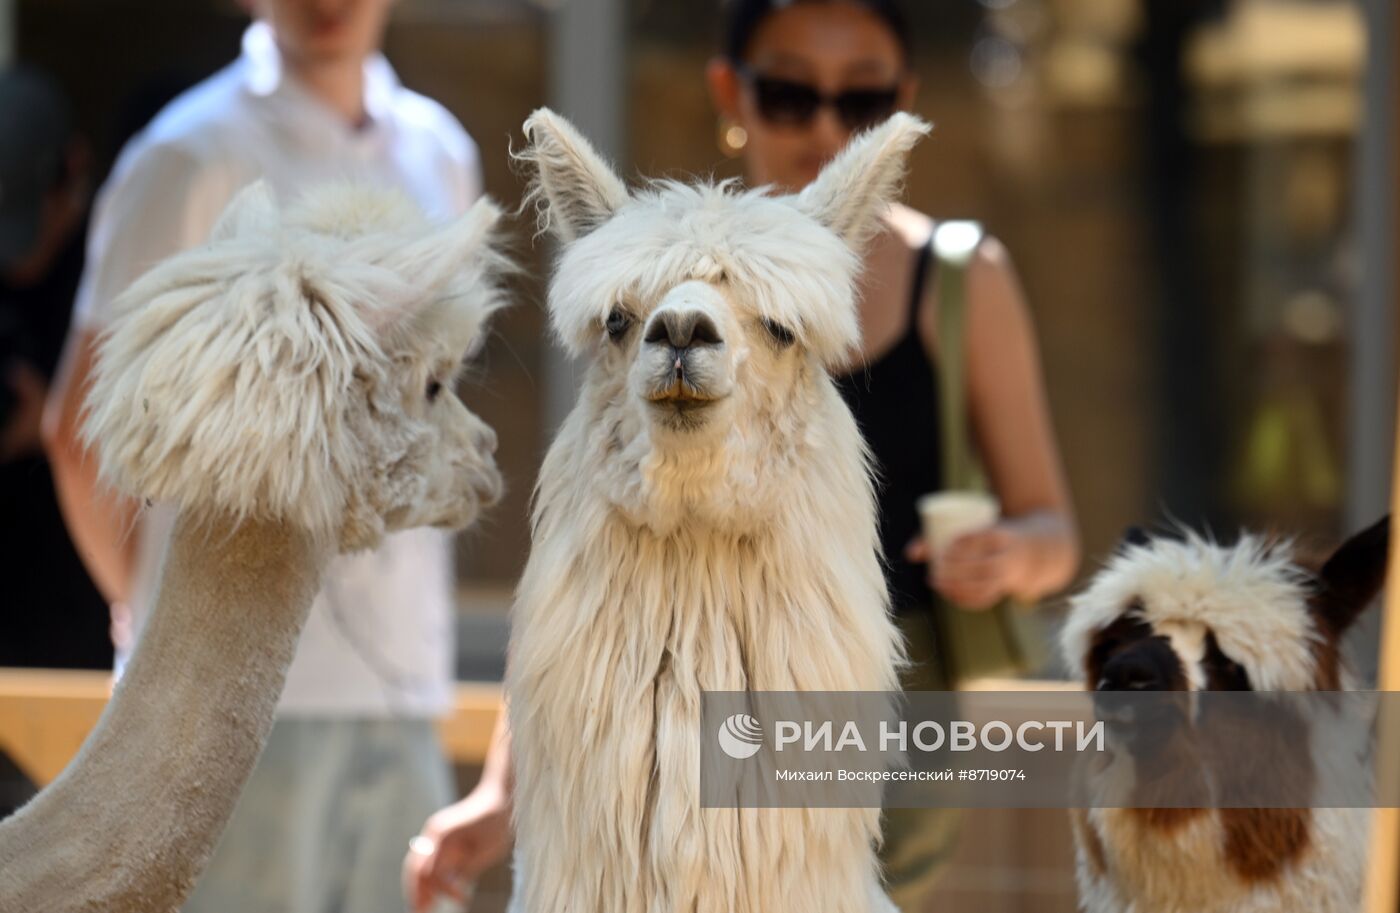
{"x": 954, "y": 244}
{"x": 983, "y": 643}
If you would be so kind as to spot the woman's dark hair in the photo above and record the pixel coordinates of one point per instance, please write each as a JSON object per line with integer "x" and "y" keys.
{"x": 743, "y": 17}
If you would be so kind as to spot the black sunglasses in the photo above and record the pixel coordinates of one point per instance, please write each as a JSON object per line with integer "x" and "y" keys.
{"x": 784, "y": 102}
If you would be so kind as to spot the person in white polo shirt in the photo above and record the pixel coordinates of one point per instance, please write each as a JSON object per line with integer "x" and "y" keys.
{"x": 353, "y": 766}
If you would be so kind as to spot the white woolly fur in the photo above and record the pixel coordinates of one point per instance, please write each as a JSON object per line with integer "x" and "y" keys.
{"x": 738, "y": 555}
{"x": 250, "y": 376}
{"x": 792, "y": 270}
{"x": 1251, "y": 594}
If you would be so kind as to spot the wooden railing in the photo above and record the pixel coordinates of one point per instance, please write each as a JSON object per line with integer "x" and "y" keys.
{"x": 46, "y": 714}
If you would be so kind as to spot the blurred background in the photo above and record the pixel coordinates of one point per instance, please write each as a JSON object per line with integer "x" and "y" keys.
{"x": 1199, "y": 196}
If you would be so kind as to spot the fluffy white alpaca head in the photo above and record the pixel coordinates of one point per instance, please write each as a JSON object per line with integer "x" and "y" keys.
{"x": 1189, "y": 614}
{"x": 300, "y": 367}
{"x": 709, "y": 314}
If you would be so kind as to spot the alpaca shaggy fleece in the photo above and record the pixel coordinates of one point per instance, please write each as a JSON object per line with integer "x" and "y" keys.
{"x": 287, "y": 387}
{"x": 704, "y": 520}
{"x": 254, "y": 375}
{"x": 1245, "y": 616}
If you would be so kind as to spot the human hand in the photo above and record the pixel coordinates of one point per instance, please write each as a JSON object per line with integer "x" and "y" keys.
{"x": 121, "y": 627}
{"x": 978, "y": 569}
{"x": 456, "y": 845}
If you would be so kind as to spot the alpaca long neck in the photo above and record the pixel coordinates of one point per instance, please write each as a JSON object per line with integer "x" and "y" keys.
{"x": 131, "y": 822}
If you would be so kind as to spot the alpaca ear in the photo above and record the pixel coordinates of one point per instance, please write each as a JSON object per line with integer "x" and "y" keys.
{"x": 1352, "y": 577}
{"x": 425, "y": 266}
{"x": 852, "y": 193}
{"x": 434, "y": 260}
{"x": 1134, "y": 535}
{"x": 574, "y": 189}
{"x": 252, "y": 212}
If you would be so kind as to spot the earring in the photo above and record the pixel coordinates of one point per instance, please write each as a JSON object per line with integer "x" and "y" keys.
{"x": 732, "y": 138}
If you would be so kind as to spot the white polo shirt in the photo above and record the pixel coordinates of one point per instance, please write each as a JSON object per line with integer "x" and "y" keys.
{"x": 379, "y": 641}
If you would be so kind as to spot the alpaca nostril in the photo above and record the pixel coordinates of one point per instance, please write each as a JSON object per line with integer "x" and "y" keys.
{"x": 683, "y": 329}
{"x": 704, "y": 332}
{"x": 1131, "y": 674}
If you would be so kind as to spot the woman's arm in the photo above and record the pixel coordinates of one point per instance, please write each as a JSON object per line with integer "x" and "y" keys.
{"x": 464, "y": 839}
{"x": 1034, "y": 550}
{"x": 100, "y": 520}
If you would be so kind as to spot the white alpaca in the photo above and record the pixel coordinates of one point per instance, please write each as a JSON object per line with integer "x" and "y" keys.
{"x": 1190, "y": 615}
{"x": 288, "y": 387}
{"x": 704, "y": 520}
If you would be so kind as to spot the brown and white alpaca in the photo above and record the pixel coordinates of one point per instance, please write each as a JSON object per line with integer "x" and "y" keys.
{"x": 1188, "y": 615}
{"x": 704, "y": 520}
{"x": 288, "y": 387}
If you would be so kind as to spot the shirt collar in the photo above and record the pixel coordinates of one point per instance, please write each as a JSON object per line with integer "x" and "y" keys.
{"x": 264, "y": 76}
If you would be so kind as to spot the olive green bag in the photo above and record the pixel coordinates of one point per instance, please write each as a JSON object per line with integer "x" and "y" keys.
{"x": 998, "y": 641}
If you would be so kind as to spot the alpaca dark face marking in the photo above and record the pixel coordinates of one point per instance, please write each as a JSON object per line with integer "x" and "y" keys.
{"x": 1128, "y": 656}
{"x": 1221, "y": 672}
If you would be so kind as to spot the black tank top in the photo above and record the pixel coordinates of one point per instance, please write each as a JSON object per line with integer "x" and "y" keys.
{"x": 895, "y": 403}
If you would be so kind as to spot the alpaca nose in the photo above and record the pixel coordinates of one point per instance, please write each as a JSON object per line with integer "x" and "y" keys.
{"x": 480, "y": 437}
{"x": 682, "y": 329}
{"x": 1132, "y": 671}
{"x": 484, "y": 440}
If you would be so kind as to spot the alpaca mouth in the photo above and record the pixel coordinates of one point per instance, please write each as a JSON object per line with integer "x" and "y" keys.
{"x": 488, "y": 486}
{"x": 1143, "y": 723}
{"x": 681, "y": 407}
{"x": 681, "y": 396}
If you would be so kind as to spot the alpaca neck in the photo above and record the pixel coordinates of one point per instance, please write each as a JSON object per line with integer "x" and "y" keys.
{"x": 130, "y": 823}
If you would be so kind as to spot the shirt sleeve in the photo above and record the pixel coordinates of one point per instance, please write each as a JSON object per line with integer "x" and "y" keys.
{"x": 159, "y": 200}
{"x": 473, "y": 184}
{"x": 463, "y": 163}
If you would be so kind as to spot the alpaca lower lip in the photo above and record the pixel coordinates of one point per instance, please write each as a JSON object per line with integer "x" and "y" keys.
{"x": 682, "y": 413}
{"x": 680, "y": 393}
{"x": 682, "y": 402}
{"x": 681, "y": 407}
{"x": 679, "y": 390}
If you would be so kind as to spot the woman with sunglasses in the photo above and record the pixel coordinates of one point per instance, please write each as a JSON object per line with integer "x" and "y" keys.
{"x": 796, "y": 80}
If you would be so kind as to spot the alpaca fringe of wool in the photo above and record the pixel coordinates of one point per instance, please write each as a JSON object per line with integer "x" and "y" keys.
{"x": 705, "y": 519}
{"x": 222, "y": 383}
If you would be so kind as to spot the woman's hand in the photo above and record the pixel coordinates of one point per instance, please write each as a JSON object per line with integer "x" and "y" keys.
{"x": 979, "y": 569}
{"x": 457, "y": 844}
{"x": 121, "y": 627}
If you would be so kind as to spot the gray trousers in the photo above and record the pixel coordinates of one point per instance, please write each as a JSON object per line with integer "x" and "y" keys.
{"x": 325, "y": 820}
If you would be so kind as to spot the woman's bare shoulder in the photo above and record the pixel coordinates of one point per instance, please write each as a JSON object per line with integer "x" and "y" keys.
{"x": 910, "y": 226}
{"x": 914, "y": 228}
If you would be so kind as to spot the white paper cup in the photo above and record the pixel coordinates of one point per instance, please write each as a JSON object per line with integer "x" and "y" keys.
{"x": 946, "y": 515}
{"x": 442, "y": 904}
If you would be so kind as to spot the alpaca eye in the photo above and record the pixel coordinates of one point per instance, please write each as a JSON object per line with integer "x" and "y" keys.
{"x": 617, "y": 323}
{"x": 783, "y": 336}
{"x": 434, "y": 388}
